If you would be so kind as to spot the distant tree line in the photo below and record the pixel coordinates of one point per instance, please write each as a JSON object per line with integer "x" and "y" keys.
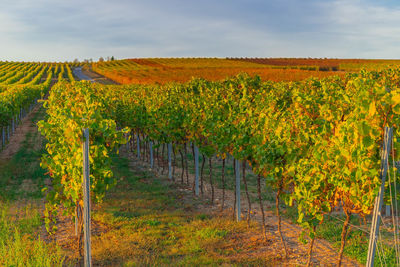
{"x": 90, "y": 60}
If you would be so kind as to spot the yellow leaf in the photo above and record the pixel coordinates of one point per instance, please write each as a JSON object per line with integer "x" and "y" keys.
{"x": 372, "y": 109}
{"x": 396, "y": 99}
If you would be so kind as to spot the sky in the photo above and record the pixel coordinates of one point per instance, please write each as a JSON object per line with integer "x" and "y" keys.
{"x": 64, "y": 30}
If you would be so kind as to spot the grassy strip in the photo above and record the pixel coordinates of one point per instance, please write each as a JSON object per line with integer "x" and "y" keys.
{"x": 20, "y": 243}
{"x": 149, "y": 222}
{"x": 330, "y": 229}
{"x": 22, "y": 176}
{"x": 20, "y": 223}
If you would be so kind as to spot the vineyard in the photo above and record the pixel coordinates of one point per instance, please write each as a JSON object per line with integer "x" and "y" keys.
{"x": 164, "y": 70}
{"x": 21, "y": 85}
{"x": 295, "y": 149}
{"x": 324, "y": 64}
{"x": 316, "y": 143}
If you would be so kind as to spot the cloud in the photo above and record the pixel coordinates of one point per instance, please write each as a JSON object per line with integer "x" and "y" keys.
{"x": 64, "y": 30}
{"x": 365, "y": 29}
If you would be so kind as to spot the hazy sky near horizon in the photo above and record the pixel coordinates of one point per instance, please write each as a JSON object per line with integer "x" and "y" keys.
{"x": 56, "y": 30}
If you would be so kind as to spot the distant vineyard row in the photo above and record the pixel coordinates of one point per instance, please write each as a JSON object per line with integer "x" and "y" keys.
{"x": 21, "y": 83}
{"x": 323, "y": 64}
{"x": 164, "y": 70}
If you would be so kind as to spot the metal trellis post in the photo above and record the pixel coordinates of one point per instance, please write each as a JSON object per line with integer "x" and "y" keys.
{"x": 86, "y": 200}
{"x": 169, "y": 161}
{"x": 237, "y": 166}
{"x": 196, "y": 167}
{"x": 379, "y": 198}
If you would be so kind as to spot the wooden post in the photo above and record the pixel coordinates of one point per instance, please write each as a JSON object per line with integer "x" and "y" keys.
{"x": 237, "y": 166}
{"x": 86, "y": 198}
{"x": 138, "y": 146}
{"x": 127, "y": 142}
{"x": 76, "y": 221}
{"x": 196, "y": 168}
{"x": 151, "y": 155}
{"x": 3, "y": 136}
{"x": 169, "y": 161}
{"x": 379, "y": 198}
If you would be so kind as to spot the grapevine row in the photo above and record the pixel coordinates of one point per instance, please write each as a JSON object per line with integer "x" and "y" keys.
{"x": 316, "y": 142}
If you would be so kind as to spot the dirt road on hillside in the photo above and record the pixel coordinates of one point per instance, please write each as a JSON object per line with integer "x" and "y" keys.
{"x": 88, "y": 75}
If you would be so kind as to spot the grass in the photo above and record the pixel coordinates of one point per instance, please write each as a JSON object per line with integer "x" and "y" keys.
{"x": 20, "y": 208}
{"x": 20, "y": 243}
{"x": 149, "y": 222}
{"x": 357, "y": 241}
{"x": 22, "y": 176}
{"x": 330, "y": 230}
{"x": 144, "y": 221}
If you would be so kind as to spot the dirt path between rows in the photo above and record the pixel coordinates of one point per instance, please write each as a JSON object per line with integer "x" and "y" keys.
{"x": 18, "y": 137}
{"x": 323, "y": 252}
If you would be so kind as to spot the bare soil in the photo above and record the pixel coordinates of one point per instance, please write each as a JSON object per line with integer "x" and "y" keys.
{"x": 18, "y": 137}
